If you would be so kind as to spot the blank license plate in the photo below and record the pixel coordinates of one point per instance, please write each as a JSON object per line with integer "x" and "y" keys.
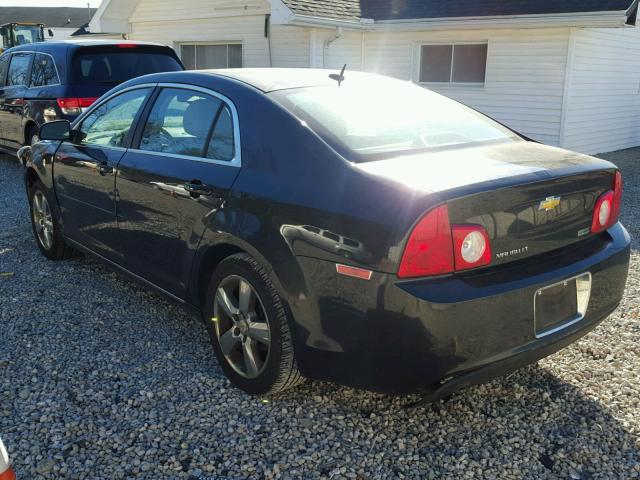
{"x": 561, "y": 304}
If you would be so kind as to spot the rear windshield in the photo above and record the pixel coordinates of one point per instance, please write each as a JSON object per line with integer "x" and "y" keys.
{"x": 113, "y": 67}
{"x": 377, "y": 118}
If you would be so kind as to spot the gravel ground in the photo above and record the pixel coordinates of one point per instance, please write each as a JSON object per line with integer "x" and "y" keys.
{"x": 100, "y": 378}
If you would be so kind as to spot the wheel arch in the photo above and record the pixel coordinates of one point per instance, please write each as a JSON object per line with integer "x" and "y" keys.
{"x": 27, "y": 128}
{"x": 282, "y": 266}
{"x": 30, "y": 177}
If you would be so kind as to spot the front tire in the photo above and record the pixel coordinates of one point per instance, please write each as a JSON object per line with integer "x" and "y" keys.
{"x": 45, "y": 224}
{"x": 249, "y": 327}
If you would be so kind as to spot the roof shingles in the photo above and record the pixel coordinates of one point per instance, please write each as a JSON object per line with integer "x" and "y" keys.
{"x": 419, "y": 9}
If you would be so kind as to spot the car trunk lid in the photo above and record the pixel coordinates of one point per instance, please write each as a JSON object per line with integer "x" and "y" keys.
{"x": 536, "y": 218}
{"x": 531, "y": 198}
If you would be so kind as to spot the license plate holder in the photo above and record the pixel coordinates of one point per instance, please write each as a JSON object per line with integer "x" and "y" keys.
{"x": 562, "y": 304}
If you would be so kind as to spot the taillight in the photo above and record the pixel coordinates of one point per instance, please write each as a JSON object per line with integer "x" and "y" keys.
{"x": 435, "y": 247}
{"x": 74, "y": 106}
{"x": 429, "y": 250}
{"x": 471, "y": 246}
{"x": 607, "y": 209}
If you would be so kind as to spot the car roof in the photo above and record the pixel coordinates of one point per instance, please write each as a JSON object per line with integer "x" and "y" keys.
{"x": 273, "y": 79}
{"x": 72, "y": 44}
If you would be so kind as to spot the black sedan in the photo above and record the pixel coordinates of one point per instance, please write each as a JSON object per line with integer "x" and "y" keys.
{"x": 352, "y": 228}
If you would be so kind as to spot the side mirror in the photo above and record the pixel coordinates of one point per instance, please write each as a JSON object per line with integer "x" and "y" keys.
{"x": 50, "y": 33}
{"x": 57, "y": 130}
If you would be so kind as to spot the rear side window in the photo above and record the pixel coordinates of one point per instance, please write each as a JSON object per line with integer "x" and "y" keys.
{"x": 185, "y": 122}
{"x": 43, "y": 71}
{"x": 113, "y": 67}
{"x": 222, "y": 144}
{"x": 4, "y": 65}
{"x": 19, "y": 69}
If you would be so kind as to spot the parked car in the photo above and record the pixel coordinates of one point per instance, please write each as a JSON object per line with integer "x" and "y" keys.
{"x": 479, "y": 252}
{"x": 47, "y": 81}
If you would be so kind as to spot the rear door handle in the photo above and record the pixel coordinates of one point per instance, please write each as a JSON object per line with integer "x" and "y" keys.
{"x": 196, "y": 188}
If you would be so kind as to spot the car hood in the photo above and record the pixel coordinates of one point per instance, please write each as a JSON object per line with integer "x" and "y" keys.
{"x": 445, "y": 170}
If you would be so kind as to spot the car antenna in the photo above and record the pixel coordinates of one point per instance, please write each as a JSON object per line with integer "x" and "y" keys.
{"x": 338, "y": 78}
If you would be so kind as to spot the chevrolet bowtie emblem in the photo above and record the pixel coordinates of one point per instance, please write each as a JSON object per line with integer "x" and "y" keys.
{"x": 549, "y": 203}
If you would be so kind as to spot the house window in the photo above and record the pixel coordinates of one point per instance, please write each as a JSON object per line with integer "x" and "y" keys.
{"x": 220, "y": 55}
{"x": 455, "y": 63}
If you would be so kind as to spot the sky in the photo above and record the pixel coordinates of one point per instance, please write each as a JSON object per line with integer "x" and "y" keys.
{"x": 49, "y": 3}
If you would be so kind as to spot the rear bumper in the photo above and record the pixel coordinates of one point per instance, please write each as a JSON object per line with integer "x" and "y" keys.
{"x": 402, "y": 337}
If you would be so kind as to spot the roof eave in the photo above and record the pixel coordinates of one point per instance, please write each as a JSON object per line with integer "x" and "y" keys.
{"x": 616, "y": 18}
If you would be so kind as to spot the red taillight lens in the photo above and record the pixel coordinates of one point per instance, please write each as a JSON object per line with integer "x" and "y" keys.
{"x": 471, "y": 246}
{"x": 73, "y": 106}
{"x": 68, "y": 103}
{"x": 86, "y": 101}
{"x": 429, "y": 250}
{"x": 607, "y": 209}
{"x": 435, "y": 247}
{"x": 127, "y": 45}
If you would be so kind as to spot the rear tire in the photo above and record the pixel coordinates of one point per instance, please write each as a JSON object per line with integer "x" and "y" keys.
{"x": 244, "y": 312}
{"x": 46, "y": 226}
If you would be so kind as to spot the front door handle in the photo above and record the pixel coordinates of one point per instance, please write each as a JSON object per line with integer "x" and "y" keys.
{"x": 104, "y": 169}
{"x": 197, "y": 188}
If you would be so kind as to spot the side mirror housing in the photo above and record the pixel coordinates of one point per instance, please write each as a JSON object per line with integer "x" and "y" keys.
{"x": 57, "y": 130}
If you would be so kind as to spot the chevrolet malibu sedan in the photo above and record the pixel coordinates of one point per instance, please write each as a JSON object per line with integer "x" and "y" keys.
{"x": 350, "y": 228}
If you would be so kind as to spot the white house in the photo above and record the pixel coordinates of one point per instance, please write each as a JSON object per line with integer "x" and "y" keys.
{"x": 564, "y": 72}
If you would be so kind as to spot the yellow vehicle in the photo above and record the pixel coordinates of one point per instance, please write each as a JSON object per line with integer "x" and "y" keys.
{"x": 14, "y": 34}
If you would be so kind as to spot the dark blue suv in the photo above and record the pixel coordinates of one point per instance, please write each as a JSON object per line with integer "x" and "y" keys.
{"x": 49, "y": 81}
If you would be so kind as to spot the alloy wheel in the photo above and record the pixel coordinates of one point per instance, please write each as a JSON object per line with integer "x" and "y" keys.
{"x": 242, "y": 326}
{"x": 42, "y": 220}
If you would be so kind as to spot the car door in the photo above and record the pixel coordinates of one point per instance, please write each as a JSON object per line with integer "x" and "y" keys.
{"x": 13, "y": 99}
{"x": 4, "y": 66}
{"x": 84, "y": 171}
{"x": 186, "y": 160}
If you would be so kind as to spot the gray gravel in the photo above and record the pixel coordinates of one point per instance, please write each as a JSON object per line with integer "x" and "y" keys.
{"x": 101, "y": 379}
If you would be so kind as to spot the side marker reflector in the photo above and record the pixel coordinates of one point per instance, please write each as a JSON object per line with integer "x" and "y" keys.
{"x": 354, "y": 272}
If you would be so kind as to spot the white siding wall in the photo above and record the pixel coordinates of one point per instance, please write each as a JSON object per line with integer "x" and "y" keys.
{"x": 345, "y": 49}
{"x": 603, "y": 109}
{"x": 172, "y": 23}
{"x": 525, "y": 76}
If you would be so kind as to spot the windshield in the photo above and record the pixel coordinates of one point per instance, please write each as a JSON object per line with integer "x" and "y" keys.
{"x": 28, "y": 34}
{"x": 379, "y": 117}
{"x": 119, "y": 66}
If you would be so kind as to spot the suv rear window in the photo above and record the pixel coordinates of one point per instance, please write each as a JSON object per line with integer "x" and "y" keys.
{"x": 113, "y": 67}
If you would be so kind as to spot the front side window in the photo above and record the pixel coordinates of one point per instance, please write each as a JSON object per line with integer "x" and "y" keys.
{"x": 201, "y": 57}
{"x": 374, "y": 118}
{"x": 458, "y": 63}
{"x": 109, "y": 124}
{"x": 43, "y": 71}
{"x": 18, "y": 69}
{"x": 186, "y": 122}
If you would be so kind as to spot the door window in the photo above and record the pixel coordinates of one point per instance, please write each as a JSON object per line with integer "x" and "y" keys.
{"x": 109, "y": 124}
{"x": 185, "y": 122}
{"x": 43, "y": 71}
{"x": 19, "y": 69}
